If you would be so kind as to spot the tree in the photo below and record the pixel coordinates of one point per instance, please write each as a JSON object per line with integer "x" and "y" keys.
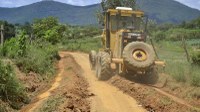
{"x": 55, "y": 34}
{"x": 48, "y": 29}
{"x": 194, "y": 24}
{"x": 9, "y": 29}
{"x": 27, "y": 28}
{"x": 40, "y": 26}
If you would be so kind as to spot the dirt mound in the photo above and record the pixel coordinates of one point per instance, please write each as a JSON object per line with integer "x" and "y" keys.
{"x": 107, "y": 97}
{"x": 68, "y": 92}
{"x": 76, "y": 93}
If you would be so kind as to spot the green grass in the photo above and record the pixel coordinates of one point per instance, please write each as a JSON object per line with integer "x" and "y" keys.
{"x": 83, "y": 45}
{"x": 176, "y": 34}
{"x": 177, "y": 65}
{"x": 39, "y": 59}
{"x": 195, "y": 76}
{"x": 177, "y": 70}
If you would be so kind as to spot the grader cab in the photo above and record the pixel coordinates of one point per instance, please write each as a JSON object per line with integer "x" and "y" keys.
{"x": 124, "y": 48}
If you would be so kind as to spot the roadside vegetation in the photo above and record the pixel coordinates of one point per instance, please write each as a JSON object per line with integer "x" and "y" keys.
{"x": 35, "y": 53}
{"x": 82, "y": 39}
{"x": 34, "y": 48}
{"x": 11, "y": 90}
{"x": 172, "y": 41}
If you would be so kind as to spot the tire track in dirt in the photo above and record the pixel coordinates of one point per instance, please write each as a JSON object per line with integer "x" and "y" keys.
{"x": 107, "y": 98}
{"x": 152, "y": 98}
{"x": 176, "y": 99}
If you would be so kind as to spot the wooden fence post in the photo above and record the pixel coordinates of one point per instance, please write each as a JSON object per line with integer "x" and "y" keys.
{"x": 185, "y": 48}
{"x": 2, "y": 35}
{"x": 154, "y": 48}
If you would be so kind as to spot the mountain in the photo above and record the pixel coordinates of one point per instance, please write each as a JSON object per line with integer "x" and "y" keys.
{"x": 161, "y": 10}
{"x": 168, "y": 11}
{"x": 66, "y": 13}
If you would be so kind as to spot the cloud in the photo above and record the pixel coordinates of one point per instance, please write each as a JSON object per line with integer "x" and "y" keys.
{"x": 191, "y": 3}
{"x": 80, "y": 2}
{"x": 17, "y": 3}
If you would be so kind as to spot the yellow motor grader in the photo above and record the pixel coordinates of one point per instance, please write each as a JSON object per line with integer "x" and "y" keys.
{"x": 124, "y": 48}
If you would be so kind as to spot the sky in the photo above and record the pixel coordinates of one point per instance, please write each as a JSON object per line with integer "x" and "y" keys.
{"x": 17, "y": 3}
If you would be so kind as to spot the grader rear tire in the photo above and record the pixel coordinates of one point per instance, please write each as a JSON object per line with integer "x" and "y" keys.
{"x": 149, "y": 77}
{"x": 144, "y": 62}
{"x": 92, "y": 59}
{"x": 103, "y": 69}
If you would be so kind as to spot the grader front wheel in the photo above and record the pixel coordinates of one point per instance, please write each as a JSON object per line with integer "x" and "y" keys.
{"x": 92, "y": 59}
{"x": 103, "y": 69}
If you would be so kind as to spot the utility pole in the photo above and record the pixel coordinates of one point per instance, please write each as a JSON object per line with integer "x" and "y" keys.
{"x": 2, "y": 36}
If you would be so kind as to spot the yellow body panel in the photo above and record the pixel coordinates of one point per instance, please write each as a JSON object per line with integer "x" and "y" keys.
{"x": 126, "y": 12}
{"x": 115, "y": 36}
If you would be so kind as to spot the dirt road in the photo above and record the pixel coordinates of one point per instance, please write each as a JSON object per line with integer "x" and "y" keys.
{"x": 76, "y": 89}
{"x": 107, "y": 98}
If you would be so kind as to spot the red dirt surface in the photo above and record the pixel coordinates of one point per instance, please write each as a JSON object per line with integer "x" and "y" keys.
{"x": 69, "y": 85}
{"x": 150, "y": 98}
{"x": 80, "y": 91}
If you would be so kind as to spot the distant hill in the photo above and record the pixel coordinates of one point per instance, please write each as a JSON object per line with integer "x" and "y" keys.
{"x": 168, "y": 11}
{"x": 161, "y": 10}
{"x": 66, "y": 13}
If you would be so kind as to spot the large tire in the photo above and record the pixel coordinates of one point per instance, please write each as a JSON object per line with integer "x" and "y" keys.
{"x": 137, "y": 65}
{"x": 103, "y": 69}
{"x": 92, "y": 59}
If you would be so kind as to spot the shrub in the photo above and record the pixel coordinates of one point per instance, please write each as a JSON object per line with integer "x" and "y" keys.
{"x": 159, "y": 35}
{"x": 48, "y": 29}
{"x": 39, "y": 59}
{"x": 195, "y": 79}
{"x": 10, "y": 48}
{"x": 22, "y": 44}
{"x": 196, "y": 57}
{"x": 10, "y": 88}
{"x": 15, "y": 46}
{"x": 195, "y": 76}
